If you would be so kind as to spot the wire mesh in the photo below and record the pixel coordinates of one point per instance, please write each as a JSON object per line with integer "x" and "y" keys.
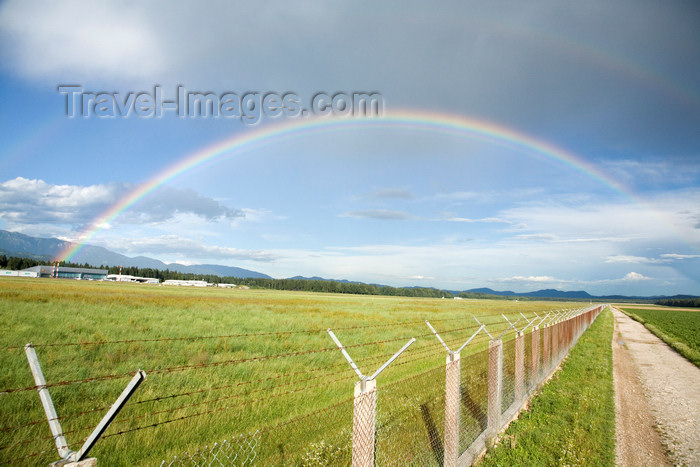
{"x": 527, "y": 355}
{"x": 410, "y": 420}
{"x": 508, "y": 382}
{"x": 473, "y": 398}
{"x": 238, "y": 451}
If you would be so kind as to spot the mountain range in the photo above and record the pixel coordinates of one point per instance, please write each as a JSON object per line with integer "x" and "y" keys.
{"x": 45, "y": 249}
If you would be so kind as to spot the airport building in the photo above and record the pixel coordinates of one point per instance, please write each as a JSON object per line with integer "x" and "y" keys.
{"x": 135, "y": 279}
{"x": 7, "y": 273}
{"x": 68, "y": 273}
{"x": 178, "y": 283}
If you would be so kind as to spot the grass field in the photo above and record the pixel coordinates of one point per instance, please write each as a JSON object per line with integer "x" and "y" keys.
{"x": 570, "y": 422}
{"x": 678, "y": 328}
{"x": 276, "y": 362}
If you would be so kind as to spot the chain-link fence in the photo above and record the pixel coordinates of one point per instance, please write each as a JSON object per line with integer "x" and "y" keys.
{"x": 431, "y": 418}
{"x": 240, "y": 450}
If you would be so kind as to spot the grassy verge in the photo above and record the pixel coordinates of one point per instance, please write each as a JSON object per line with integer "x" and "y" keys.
{"x": 571, "y": 421}
{"x": 679, "y": 329}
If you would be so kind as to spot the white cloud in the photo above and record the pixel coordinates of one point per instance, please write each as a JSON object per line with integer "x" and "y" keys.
{"x": 179, "y": 246}
{"x": 25, "y": 201}
{"x": 489, "y": 220}
{"x": 637, "y": 172}
{"x": 635, "y": 277}
{"x": 678, "y": 256}
{"x": 535, "y": 279}
{"x": 632, "y": 259}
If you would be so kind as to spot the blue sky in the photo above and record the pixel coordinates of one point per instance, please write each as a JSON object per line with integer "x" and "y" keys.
{"x": 617, "y": 84}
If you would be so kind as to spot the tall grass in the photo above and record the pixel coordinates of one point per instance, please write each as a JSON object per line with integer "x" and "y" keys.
{"x": 238, "y": 384}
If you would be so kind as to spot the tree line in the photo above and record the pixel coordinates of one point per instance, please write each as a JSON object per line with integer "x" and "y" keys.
{"x": 680, "y": 302}
{"x": 302, "y": 285}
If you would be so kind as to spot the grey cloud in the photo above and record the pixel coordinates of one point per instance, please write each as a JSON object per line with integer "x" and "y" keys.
{"x": 545, "y": 68}
{"x": 392, "y": 193}
{"x": 381, "y": 214}
{"x": 167, "y": 201}
{"x": 186, "y": 247}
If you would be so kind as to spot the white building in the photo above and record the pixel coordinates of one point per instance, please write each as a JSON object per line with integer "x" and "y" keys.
{"x": 128, "y": 278}
{"x": 178, "y": 283}
{"x": 8, "y": 273}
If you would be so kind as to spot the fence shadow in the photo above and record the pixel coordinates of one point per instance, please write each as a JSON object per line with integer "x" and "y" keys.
{"x": 433, "y": 435}
{"x": 476, "y": 412}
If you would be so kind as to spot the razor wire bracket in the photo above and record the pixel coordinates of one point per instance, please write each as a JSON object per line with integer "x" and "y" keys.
{"x": 364, "y": 379}
{"x": 512, "y": 326}
{"x": 452, "y": 353}
{"x": 529, "y": 322}
{"x": 484, "y": 326}
{"x": 56, "y": 430}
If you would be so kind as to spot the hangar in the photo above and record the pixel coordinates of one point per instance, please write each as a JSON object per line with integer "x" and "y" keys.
{"x": 69, "y": 273}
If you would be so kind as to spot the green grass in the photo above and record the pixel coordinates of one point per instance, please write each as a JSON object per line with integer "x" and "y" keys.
{"x": 678, "y": 329}
{"x": 571, "y": 421}
{"x": 222, "y": 399}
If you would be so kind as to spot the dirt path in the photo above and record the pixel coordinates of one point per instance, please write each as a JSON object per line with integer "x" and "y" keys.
{"x": 654, "y": 386}
{"x": 653, "y": 307}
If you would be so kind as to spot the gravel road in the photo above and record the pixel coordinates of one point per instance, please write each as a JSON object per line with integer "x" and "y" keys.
{"x": 657, "y": 399}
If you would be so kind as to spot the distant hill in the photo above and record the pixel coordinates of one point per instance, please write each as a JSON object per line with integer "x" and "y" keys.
{"x": 316, "y": 278}
{"x": 45, "y": 249}
{"x": 488, "y": 291}
{"x": 544, "y": 293}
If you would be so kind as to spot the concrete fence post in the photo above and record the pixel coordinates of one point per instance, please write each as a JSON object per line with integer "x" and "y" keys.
{"x": 546, "y": 348}
{"x": 495, "y": 388}
{"x": 452, "y": 380}
{"x": 519, "y": 367}
{"x": 555, "y": 344}
{"x": 535, "y": 375}
{"x": 363, "y": 422}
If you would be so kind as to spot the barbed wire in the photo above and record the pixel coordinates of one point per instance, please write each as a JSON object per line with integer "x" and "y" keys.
{"x": 207, "y": 412}
{"x": 228, "y": 336}
{"x": 416, "y": 354}
{"x": 242, "y": 383}
{"x": 161, "y": 398}
{"x": 210, "y": 365}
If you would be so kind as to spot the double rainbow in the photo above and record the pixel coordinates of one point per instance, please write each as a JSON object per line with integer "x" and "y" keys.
{"x": 270, "y": 134}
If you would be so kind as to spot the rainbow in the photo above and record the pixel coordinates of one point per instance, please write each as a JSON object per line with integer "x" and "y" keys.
{"x": 458, "y": 125}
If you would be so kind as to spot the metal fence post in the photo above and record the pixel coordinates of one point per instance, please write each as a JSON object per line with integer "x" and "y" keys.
{"x": 363, "y": 422}
{"x": 534, "y": 375}
{"x": 452, "y": 379}
{"x": 555, "y": 344}
{"x": 69, "y": 457}
{"x": 495, "y": 387}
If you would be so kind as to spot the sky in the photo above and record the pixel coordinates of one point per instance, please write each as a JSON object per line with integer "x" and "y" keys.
{"x": 517, "y": 145}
